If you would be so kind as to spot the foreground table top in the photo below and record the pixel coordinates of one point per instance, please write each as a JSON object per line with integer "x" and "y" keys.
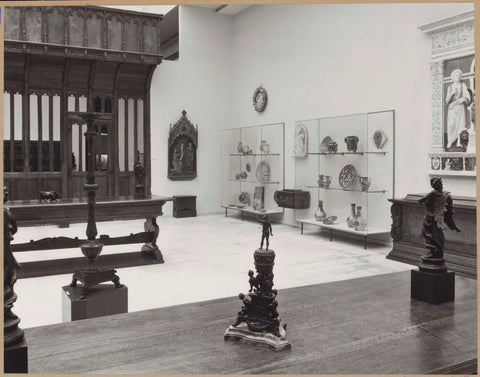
{"x": 359, "y": 326}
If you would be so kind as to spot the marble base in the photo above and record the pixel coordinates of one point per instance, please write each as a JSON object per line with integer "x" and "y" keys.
{"x": 434, "y": 288}
{"x": 242, "y": 332}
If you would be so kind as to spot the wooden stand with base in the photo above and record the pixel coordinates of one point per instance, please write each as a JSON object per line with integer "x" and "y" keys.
{"x": 102, "y": 300}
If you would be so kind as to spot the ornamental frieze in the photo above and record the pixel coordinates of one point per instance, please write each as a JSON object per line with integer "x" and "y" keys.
{"x": 453, "y": 37}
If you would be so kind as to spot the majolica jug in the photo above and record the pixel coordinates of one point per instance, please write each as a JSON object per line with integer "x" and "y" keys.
{"x": 352, "y": 142}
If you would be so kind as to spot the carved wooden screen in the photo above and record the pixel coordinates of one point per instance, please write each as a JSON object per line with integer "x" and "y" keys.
{"x": 61, "y": 59}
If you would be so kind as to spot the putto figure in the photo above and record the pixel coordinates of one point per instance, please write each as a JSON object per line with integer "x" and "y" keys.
{"x": 266, "y": 230}
{"x": 439, "y": 211}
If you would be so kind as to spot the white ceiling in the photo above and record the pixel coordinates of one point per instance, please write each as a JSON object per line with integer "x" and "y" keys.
{"x": 230, "y": 10}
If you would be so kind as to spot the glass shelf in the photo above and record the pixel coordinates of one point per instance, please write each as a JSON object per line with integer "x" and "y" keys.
{"x": 248, "y": 168}
{"x": 346, "y": 153}
{"x": 355, "y": 190}
{"x": 254, "y": 154}
{"x": 260, "y": 182}
{"x": 370, "y": 157}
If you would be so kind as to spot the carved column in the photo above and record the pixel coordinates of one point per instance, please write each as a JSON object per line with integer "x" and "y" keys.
{"x": 436, "y": 71}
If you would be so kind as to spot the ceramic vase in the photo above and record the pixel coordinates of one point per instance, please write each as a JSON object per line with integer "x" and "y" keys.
{"x": 351, "y": 218}
{"x": 326, "y": 181}
{"x": 332, "y": 147}
{"x": 264, "y": 147}
{"x": 352, "y": 142}
{"x": 320, "y": 180}
{"x": 360, "y": 222}
{"x": 365, "y": 183}
{"x": 320, "y": 213}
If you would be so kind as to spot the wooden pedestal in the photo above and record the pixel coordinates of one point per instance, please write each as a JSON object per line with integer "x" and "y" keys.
{"x": 16, "y": 358}
{"x": 101, "y": 300}
{"x": 434, "y": 288}
{"x": 184, "y": 206}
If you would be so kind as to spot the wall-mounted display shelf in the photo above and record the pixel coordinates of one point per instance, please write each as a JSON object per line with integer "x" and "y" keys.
{"x": 349, "y": 163}
{"x": 252, "y": 168}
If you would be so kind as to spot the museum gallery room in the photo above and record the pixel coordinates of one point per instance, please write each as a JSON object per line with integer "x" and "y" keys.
{"x": 240, "y": 189}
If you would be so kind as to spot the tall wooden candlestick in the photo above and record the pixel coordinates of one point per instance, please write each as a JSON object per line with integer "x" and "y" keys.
{"x": 91, "y": 275}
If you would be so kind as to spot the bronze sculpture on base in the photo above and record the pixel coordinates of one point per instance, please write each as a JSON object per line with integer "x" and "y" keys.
{"x": 15, "y": 347}
{"x": 139, "y": 170}
{"x": 433, "y": 283}
{"x": 266, "y": 229}
{"x": 91, "y": 275}
{"x": 439, "y": 211}
{"x": 258, "y": 320}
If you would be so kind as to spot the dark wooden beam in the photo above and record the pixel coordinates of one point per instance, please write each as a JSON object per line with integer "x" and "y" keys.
{"x": 26, "y": 116}
{"x": 147, "y": 132}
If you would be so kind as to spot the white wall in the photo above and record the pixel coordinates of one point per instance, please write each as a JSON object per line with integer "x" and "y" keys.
{"x": 315, "y": 61}
{"x": 198, "y": 83}
{"x": 328, "y": 60}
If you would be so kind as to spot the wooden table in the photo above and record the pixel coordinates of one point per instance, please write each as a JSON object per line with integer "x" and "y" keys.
{"x": 360, "y": 326}
{"x": 74, "y": 210}
{"x": 66, "y": 211}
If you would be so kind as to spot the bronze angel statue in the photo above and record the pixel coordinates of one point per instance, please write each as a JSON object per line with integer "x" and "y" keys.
{"x": 439, "y": 211}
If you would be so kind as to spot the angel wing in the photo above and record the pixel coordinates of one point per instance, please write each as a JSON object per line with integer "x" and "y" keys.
{"x": 448, "y": 215}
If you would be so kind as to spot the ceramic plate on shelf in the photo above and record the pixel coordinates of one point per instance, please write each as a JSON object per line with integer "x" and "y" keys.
{"x": 347, "y": 176}
{"x": 324, "y": 144}
{"x": 244, "y": 198}
{"x": 263, "y": 172}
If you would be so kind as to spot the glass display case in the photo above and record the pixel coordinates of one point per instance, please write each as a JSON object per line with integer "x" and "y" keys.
{"x": 347, "y": 165}
{"x": 253, "y": 160}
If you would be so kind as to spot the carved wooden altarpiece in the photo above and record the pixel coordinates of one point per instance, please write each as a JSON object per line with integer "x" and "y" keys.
{"x": 182, "y": 150}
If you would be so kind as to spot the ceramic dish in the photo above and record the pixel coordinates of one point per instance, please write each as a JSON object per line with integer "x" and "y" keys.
{"x": 330, "y": 220}
{"x": 263, "y": 172}
{"x": 244, "y": 198}
{"x": 347, "y": 176}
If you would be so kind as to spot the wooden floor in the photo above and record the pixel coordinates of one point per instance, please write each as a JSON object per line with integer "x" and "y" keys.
{"x": 359, "y": 326}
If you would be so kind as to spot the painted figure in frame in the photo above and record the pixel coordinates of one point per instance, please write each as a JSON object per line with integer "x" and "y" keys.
{"x": 457, "y": 101}
{"x": 300, "y": 141}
